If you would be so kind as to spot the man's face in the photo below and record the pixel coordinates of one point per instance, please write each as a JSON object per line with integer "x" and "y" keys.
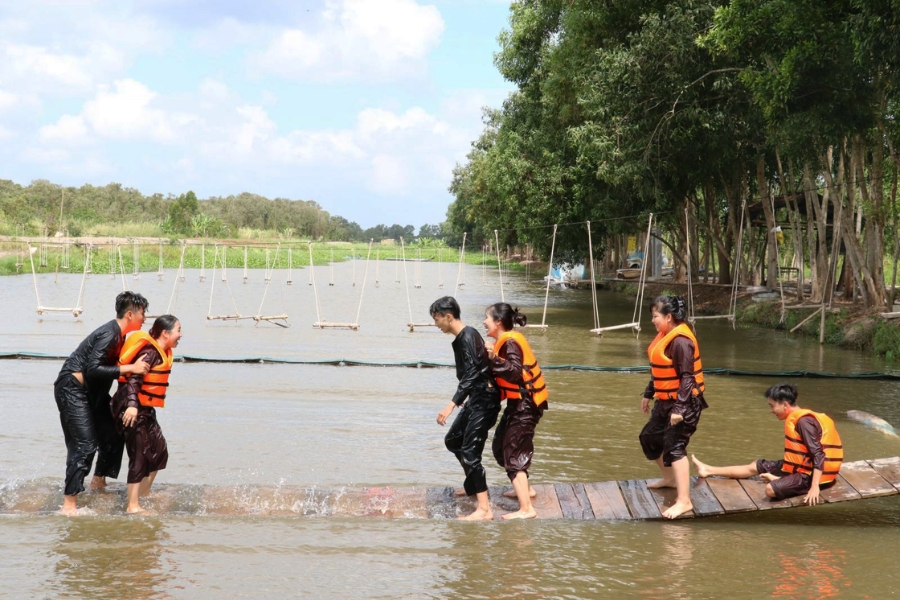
{"x": 443, "y": 322}
{"x": 779, "y": 409}
{"x": 134, "y": 320}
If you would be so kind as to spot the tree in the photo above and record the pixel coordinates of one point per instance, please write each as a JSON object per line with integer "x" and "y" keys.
{"x": 182, "y": 211}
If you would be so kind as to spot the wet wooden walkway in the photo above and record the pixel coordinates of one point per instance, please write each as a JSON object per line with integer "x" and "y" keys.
{"x": 633, "y": 500}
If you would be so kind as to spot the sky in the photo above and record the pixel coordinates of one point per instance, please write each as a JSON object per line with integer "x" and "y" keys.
{"x": 364, "y": 106}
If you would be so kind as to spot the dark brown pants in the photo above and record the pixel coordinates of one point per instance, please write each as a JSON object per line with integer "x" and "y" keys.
{"x": 513, "y": 444}
{"x": 146, "y": 446}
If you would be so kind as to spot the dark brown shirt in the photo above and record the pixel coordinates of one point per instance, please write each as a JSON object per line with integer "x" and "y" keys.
{"x": 681, "y": 351}
{"x": 507, "y": 362}
{"x": 811, "y": 433}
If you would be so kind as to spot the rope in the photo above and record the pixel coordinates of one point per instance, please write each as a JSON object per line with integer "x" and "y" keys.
{"x": 202, "y": 263}
{"x": 37, "y": 295}
{"x": 642, "y": 284}
{"x": 593, "y": 280}
{"x": 687, "y": 234}
{"x": 739, "y": 256}
{"x": 212, "y": 287}
{"x": 312, "y": 280}
{"x": 245, "y": 264}
{"x": 121, "y": 266}
{"x": 549, "y": 274}
{"x": 177, "y": 279}
{"x": 406, "y": 279}
{"x": 499, "y": 266}
{"x": 462, "y": 256}
{"x": 363, "y": 288}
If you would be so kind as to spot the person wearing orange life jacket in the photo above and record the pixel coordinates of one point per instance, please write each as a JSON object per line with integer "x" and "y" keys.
{"x": 135, "y": 402}
{"x": 813, "y": 452}
{"x": 677, "y": 385}
{"x": 522, "y": 385}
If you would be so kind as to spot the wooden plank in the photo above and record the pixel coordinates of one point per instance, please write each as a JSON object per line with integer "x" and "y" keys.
{"x": 756, "y": 489}
{"x": 889, "y": 468}
{"x": 665, "y": 497}
{"x": 639, "y": 500}
{"x": 573, "y": 501}
{"x": 546, "y": 504}
{"x": 440, "y": 503}
{"x": 501, "y": 504}
{"x": 606, "y": 500}
{"x": 731, "y": 495}
{"x": 840, "y": 491}
{"x": 704, "y": 501}
{"x": 866, "y": 480}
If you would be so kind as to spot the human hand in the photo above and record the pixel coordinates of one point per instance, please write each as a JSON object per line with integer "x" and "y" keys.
{"x": 645, "y": 406}
{"x": 812, "y": 497}
{"x": 445, "y": 414}
{"x": 675, "y": 419}
{"x": 489, "y": 347}
{"x": 139, "y": 367}
{"x": 129, "y": 417}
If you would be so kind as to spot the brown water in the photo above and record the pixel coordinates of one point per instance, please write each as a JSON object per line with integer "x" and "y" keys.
{"x": 238, "y": 428}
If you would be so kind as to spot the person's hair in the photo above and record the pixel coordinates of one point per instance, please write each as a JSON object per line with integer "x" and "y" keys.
{"x": 783, "y": 392}
{"x": 162, "y": 323}
{"x": 444, "y": 306}
{"x": 508, "y": 316}
{"x": 130, "y": 301}
{"x": 671, "y": 305}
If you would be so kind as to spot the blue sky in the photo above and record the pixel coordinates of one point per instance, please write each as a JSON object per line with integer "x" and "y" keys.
{"x": 361, "y": 105}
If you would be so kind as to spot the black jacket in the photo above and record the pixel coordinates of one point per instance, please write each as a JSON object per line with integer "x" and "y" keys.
{"x": 97, "y": 359}
{"x": 472, "y": 366}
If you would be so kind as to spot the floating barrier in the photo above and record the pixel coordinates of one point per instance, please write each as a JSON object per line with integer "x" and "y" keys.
{"x": 422, "y": 364}
{"x": 605, "y": 500}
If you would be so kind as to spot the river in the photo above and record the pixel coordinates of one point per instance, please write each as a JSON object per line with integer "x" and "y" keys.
{"x": 241, "y": 428}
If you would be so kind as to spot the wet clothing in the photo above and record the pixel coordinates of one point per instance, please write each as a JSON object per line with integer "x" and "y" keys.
{"x": 477, "y": 389}
{"x": 513, "y": 444}
{"x": 472, "y": 366}
{"x": 144, "y": 441}
{"x": 829, "y": 452}
{"x": 659, "y": 437}
{"x": 84, "y": 409}
{"x": 665, "y": 378}
{"x": 530, "y": 380}
{"x": 797, "y": 484}
{"x": 468, "y": 434}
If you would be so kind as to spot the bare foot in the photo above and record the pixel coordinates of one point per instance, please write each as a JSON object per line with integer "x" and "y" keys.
{"x": 677, "y": 509}
{"x": 460, "y": 493}
{"x": 768, "y": 477}
{"x": 68, "y": 511}
{"x": 520, "y": 514}
{"x": 98, "y": 483}
{"x": 702, "y": 468}
{"x": 479, "y": 515}
{"x": 512, "y": 493}
{"x": 139, "y": 511}
{"x": 662, "y": 483}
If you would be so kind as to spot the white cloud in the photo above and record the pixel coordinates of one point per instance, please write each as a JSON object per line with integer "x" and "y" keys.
{"x": 7, "y": 100}
{"x": 358, "y": 39}
{"x": 6, "y": 134}
{"x": 68, "y": 129}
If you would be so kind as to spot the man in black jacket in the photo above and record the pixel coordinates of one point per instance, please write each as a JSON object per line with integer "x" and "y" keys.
{"x": 469, "y": 431}
{"x": 82, "y": 396}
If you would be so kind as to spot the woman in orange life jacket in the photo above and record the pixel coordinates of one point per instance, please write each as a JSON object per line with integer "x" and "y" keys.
{"x": 134, "y": 405}
{"x": 677, "y": 385}
{"x": 522, "y": 386}
{"x": 813, "y": 452}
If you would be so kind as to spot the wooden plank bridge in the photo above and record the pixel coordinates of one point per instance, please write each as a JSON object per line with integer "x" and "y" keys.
{"x": 607, "y": 500}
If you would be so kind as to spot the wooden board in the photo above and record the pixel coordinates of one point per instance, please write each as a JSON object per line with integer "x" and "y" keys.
{"x": 573, "y": 501}
{"x": 866, "y": 480}
{"x": 731, "y": 495}
{"x": 756, "y": 489}
{"x": 500, "y": 504}
{"x": 665, "y": 497}
{"x": 546, "y": 503}
{"x": 606, "y": 500}
{"x": 641, "y": 503}
{"x": 841, "y": 491}
{"x": 441, "y": 503}
{"x": 704, "y": 501}
{"x": 889, "y": 468}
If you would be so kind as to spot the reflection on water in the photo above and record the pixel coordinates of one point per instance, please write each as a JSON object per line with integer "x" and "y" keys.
{"x": 810, "y": 571}
{"x": 117, "y": 558}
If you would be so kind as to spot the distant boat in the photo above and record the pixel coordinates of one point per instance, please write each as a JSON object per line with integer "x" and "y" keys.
{"x": 632, "y": 273}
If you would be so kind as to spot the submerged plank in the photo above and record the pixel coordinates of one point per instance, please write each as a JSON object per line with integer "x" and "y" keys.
{"x": 704, "y": 501}
{"x": 841, "y": 491}
{"x": 641, "y": 503}
{"x": 546, "y": 503}
{"x": 889, "y": 468}
{"x": 573, "y": 501}
{"x": 756, "y": 489}
{"x": 731, "y": 495}
{"x": 866, "y": 480}
{"x": 606, "y": 500}
{"x": 440, "y": 503}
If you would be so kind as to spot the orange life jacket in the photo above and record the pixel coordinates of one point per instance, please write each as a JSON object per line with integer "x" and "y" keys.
{"x": 153, "y": 389}
{"x": 665, "y": 380}
{"x": 532, "y": 378}
{"x": 797, "y": 458}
